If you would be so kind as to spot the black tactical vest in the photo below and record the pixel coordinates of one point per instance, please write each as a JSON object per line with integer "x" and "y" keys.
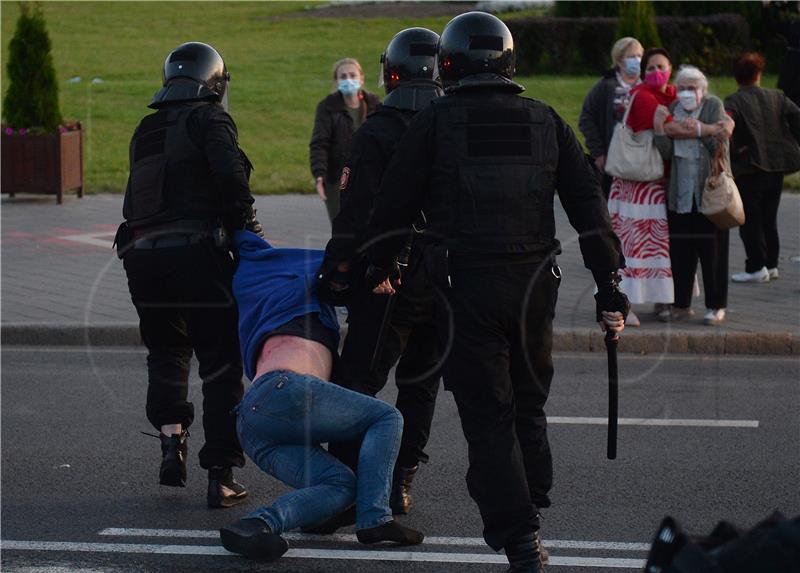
{"x": 170, "y": 179}
{"x": 493, "y": 177}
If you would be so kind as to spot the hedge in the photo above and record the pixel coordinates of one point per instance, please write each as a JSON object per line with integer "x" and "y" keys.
{"x": 583, "y": 45}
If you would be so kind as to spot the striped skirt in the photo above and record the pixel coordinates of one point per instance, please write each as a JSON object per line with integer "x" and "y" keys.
{"x": 639, "y": 217}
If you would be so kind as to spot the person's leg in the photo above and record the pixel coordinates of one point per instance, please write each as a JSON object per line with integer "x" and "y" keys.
{"x": 531, "y": 375}
{"x": 713, "y": 253}
{"x": 752, "y": 231}
{"x": 683, "y": 256}
{"x": 213, "y": 328}
{"x": 164, "y": 334}
{"x": 773, "y": 186}
{"x": 477, "y": 373}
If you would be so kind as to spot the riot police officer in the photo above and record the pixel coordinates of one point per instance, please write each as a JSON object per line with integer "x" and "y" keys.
{"x": 188, "y": 188}
{"x": 382, "y": 330}
{"x": 484, "y": 164}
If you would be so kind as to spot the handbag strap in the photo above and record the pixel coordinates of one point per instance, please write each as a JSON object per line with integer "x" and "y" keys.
{"x": 628, "y": 110}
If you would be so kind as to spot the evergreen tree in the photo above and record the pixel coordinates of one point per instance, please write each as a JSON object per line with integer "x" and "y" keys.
{"x": 31, "y": 100}
{"x": 638, "y": 20}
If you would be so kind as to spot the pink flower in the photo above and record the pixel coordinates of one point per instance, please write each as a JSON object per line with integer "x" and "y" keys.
{"x": 62, "y": 129}
{"x": 22, "y": 131}
{"x": 9, "y": 131}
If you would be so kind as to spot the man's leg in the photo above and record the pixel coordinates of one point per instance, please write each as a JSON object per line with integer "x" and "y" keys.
{"x": 752, "y": 232}
{"x": 772, "y": 198}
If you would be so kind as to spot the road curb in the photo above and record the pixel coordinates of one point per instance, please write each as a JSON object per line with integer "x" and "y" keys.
{"x": 564, "y": 340}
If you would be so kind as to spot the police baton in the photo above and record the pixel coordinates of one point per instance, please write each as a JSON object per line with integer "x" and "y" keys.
{"x": 613, "y": 394}
{"x": 402, "y": 262}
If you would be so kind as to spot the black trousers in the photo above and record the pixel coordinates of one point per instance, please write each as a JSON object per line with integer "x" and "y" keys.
{"x": 184, "y": 301}
{"x": 761, "y": 196}
{"x": 693, "y": 237}
{"x": 499, "y": 371}
{"x": 412, "y": 339}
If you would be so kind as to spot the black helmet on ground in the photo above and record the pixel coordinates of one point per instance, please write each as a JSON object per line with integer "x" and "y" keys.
{"x": 476, "y": 44}
{"x": 408, "y": 69}
{"x": 193, "y": 72}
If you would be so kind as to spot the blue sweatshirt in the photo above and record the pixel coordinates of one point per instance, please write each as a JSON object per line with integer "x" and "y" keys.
{"x": 271, "y": 287}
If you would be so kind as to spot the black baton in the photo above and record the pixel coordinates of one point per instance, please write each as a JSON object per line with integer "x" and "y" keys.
{"x": 402, "y": 261}
{"x": 613, "y": 394}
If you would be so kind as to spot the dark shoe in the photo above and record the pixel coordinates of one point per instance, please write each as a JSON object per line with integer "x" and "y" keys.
{"x": 400, "y": 499}
{"x": 525, "y": 554}
{"x": 174, "y": 449}
{"x": 390, "y": 531}
{"x": 329, "y": 526}
{"x": 252, "y": 538}
{"x": 223, "y": 490}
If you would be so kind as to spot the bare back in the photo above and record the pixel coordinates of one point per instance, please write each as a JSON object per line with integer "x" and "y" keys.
{"x": 285, "y": 352}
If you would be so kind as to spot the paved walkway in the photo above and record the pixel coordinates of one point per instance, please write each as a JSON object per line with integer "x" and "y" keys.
{"x": 62, "y": 283}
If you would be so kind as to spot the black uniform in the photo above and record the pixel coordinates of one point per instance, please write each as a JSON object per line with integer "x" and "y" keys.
{"x": 484, "y": 164}
{"x": 189, "y": 179}
{"x": 411, "y": 334}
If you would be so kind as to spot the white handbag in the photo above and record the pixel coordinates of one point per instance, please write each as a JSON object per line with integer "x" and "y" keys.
{"x": 633, "y": 156}
{"x": 721, "y": 201}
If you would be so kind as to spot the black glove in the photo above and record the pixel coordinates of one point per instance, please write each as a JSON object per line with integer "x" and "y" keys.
{"x": 334, "y": 287}
{"x": 376, "y": 275}
{"x": 609, "y": 298}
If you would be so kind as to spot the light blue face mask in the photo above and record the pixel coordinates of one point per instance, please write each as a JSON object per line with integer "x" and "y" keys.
{"x": 632, "y": 66}
{"x": 348, "y": 87}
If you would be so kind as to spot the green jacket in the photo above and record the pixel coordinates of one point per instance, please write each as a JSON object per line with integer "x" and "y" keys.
{"x": 711, "y": 112}
{"x": 767, "y": 134}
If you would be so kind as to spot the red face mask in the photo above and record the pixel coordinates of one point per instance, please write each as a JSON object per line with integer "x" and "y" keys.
{"x": 657, "y": 78}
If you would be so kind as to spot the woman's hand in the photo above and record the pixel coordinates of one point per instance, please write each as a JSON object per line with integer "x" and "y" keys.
{"x": 659, "y": 117}
{"x": 321, "y": 189}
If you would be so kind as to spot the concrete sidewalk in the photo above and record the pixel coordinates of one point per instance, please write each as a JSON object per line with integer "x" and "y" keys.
{"x": 63, "y": 285}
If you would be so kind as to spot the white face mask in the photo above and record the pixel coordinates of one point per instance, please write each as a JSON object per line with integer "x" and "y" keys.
{"x": 689, "y": 100}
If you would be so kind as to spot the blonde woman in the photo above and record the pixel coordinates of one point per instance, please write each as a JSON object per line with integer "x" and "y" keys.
{"x": 338, "y": 116}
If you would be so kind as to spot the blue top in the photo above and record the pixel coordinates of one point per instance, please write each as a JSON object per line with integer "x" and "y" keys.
{"x": 271, "y": 287}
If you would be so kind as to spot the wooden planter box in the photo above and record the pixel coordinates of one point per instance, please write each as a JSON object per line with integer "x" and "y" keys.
{"x": 49, "y": 163}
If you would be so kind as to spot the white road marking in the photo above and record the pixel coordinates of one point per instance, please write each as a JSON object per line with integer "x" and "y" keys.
{"x": 655, "y": 422}
{"x": 405, "y": 556}
{"x": 350, "y": 538}
{"x": 92, "y": 239}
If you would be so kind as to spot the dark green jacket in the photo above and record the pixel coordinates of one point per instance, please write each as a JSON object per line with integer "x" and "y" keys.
{"x": 767, "y": 134}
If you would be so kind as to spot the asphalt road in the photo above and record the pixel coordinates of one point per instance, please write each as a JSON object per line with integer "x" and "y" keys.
{"x": 703, "y": 439}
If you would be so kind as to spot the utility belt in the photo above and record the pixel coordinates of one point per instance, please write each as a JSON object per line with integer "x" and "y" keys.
{"x": 169, "y": 235}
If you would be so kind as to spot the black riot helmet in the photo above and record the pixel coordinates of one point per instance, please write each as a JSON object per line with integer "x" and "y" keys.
{"x": 475, "y": 43}
{"x": 410, "y": 56}
{"x": 193, "y": 72}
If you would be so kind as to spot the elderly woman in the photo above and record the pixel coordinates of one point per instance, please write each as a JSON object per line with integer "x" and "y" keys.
{"x": 688, "y": 139}
{"x": 605, "y": 103}
{"x": 765, "y": 146}
{"x": 638, "y": 208}
{"x": 338, "y": 116}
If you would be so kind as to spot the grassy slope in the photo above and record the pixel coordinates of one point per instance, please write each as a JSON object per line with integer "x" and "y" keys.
{"x": 280, "y": 69}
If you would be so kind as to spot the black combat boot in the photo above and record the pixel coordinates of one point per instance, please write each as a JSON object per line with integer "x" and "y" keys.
{"x": 253, "y": 539}
{"x": 525, "y": 554}
{"x": 223, "y": 490}
{"x": 174, "y": 449}
{"x": 400, "y": 499}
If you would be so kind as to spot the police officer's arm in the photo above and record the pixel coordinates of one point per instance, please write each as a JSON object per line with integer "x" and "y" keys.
{"x": 582, "y": 199}
{"x": 229, "y": 168}
{"x": 402, "y": 191}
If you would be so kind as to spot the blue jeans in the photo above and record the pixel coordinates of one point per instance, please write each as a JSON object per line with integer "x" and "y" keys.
{"x": 281, "y": 422}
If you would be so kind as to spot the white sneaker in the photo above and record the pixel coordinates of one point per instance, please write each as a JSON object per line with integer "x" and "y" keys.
{"x": 760, "y": 276}
{"x": 773, "y": 273}
{"x": 714, "y": 317}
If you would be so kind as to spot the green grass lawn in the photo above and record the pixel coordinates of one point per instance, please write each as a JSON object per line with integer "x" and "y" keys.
{"x": 280, "y": 67}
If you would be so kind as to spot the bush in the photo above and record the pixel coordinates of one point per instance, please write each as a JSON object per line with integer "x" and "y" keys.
{"x": 31, "y": 100}
{"x": 583, "y": 45}
{"x": 638, "y": 20}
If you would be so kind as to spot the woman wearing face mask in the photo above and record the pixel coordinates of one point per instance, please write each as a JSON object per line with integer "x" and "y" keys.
{"x": 638, "y": 208}
{"x": 605, "y": 103}
{"x": 338, "y": 116}
{"x": 688, "y": 136}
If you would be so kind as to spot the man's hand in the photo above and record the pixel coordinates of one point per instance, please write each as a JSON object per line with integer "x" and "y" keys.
{"x": 600, "y": 163}
{"x": 612, "y": 304}
{"x": 254, "y": 226}
{"x": 382, "y": 280}
{"x": 320, "y": 184}
{"x": 613, "y": 321}
{"x": 333, "y": 286}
